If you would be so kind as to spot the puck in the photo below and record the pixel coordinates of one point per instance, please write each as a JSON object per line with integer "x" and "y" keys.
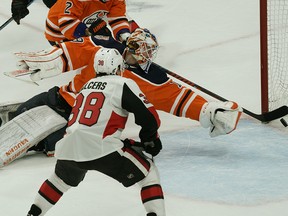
{"x": 282, "y": 120}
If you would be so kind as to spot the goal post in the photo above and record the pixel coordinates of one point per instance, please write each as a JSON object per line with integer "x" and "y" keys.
{"x": 274, "y": 53}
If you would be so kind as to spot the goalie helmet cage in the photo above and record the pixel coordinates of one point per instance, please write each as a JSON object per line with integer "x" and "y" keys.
{"x": 274, "y": 53}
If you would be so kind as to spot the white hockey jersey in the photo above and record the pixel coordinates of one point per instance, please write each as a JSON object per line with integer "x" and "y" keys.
{"x": 99, "y": 116}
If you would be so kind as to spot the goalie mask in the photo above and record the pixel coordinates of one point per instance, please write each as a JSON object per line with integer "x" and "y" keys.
{"x": 143, "y": 46}
{"x": 108, "y": 62}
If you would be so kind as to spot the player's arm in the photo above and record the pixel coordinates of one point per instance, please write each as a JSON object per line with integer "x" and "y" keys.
{"x": 19, "y": 9}
{"x": 108, "y": 42}
{"x": 72, "y": 27}
{"x": 118, "y": 21}
{"x": 134, "y": 101}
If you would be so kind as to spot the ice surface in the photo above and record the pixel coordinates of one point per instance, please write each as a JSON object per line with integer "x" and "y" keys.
{"x": 244, "y": 173}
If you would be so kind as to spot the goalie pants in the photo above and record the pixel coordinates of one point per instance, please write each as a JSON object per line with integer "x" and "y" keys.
{"x": 128, "y": 166}
{"x": 53, "y": 99}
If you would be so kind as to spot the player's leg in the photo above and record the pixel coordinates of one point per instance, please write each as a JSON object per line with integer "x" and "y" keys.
{"x": 151, "y": 193}
{"x": 67, "y": 174}
{"x": 26, "y": 130}
{"x": 54, "y": 100}
{"x": 51, "y": 98}
{"x": 131, "y": 166}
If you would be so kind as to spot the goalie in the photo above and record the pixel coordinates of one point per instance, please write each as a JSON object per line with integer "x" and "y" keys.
{"x": 220, "y": 117}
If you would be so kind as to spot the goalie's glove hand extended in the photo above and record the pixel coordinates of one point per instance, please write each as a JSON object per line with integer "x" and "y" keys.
{"x": 19, "y": 10}
{"x": 221, "y": 117}
{"x": 98, "y": 28}
{"x": 151, "y": 147}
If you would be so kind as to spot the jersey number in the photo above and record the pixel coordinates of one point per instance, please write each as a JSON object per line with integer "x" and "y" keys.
{"x": 68, "y": 6}
{"x": 91, "y": 108}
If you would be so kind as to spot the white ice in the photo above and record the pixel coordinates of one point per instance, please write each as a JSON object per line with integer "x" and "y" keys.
{"x": 212, "y": 43}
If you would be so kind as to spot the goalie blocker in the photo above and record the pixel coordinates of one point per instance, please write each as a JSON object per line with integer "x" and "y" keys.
{"x": 26, "y": 130}
{"x": 44, "y": 64}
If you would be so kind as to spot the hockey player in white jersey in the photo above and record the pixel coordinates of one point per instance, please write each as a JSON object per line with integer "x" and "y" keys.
{"x": 92, "y": 140}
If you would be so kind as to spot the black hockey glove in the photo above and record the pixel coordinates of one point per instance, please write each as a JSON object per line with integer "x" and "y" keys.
{"x": 130, "y": 142}
{"x": 19, "y": 10}
{"x": 99, "y": 28}
{"x": 153, "y": 147}
{"x": 49, "y": 3}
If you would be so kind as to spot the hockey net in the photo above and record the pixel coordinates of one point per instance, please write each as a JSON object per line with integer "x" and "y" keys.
{"x": 274, "y": 53}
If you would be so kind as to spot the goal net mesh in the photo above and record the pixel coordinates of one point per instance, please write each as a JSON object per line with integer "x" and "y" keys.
{"x": 277, "y": 45}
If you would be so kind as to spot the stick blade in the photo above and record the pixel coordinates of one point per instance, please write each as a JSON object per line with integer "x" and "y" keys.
{"x": 269, "y": 116}
{"x": 17, "y": 73}
{"x": 276, "y": 114}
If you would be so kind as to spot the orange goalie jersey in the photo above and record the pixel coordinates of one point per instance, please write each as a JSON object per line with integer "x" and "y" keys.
{"x": 69, "y": 17}
{"x": 161, "y": 91}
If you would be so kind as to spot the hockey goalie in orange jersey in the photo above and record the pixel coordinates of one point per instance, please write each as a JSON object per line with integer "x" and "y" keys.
{"x": 71, "y": 19}
{"x": 162, "y": 92}
{"x": 139, "y": 52}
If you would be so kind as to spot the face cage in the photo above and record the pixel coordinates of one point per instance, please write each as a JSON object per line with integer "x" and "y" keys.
{"x": 144, "y": 52}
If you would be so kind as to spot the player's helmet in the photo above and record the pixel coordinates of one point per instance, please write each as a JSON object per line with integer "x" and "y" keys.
{"x": 143, "y": 45}
{"x": 108, "y": 61}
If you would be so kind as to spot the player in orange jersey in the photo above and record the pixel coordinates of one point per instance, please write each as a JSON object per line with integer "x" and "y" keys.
{"x": 71, "y": 19}
{"x": 165, "y": 94}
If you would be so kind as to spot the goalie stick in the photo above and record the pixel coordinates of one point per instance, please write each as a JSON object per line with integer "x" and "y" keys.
{"x": 21, "y": 72}
{"x": 265, "y": 117}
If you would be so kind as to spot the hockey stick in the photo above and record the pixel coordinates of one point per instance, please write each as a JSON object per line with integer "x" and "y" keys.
{"x": 265, "y": 117}
{"x": 18, "y": 73}
{"x": 11, "y": 18}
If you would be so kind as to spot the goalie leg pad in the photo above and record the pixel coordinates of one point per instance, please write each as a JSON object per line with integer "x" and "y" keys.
{"x": 26, "y": 130}
{"x": 7, "y": 112}
{"x": 221, "y": 117}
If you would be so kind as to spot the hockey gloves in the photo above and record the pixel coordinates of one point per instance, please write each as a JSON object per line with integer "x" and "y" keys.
{"x": 98, "y": 28}
{"x": 221, "y": 117}
{"x": 151, "y": 147}
{"x": 49, "y": 3}
{"x": 19, "y": 10}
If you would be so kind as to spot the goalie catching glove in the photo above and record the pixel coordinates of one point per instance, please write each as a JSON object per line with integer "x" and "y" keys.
{"x": 44, "y": 64}
{"x": 221, "y": 117}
